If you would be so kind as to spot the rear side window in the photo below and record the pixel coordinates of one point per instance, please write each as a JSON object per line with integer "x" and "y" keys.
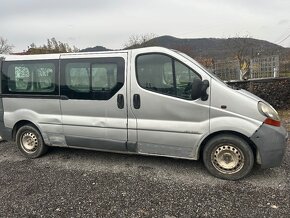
{"x": 97, "y": 79}
{"x": 165, "y": 75}
{"x": 77, "y": 77}
{"x": 29, "y": 78}
{"x": 104, "y": 76}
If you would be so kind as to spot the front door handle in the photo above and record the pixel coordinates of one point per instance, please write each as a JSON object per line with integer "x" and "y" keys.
{"x": 136, "y": 101}
{"x": 120, "y": 101}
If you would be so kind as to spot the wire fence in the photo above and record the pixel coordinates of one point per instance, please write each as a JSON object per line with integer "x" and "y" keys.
{"x": 264, "y": 67}
{"x": 261, "y": 67}
{"x": 227, "y": 70}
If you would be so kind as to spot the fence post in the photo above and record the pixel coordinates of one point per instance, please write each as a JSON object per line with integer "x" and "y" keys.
{"x": 275, "y": 72}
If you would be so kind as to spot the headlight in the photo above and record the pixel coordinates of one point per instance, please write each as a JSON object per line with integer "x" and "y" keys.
{"x": 269, "y": 112}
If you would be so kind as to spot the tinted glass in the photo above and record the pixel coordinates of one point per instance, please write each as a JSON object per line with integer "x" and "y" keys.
{"x": 92, "y": 78}
{"x": 77, "y": 76}
{"x": 30, "y": 78}
{"x": 163, "y": 74}
{"x": 184, "y": 78}
{"x": 155, "y": 73}
{"x": 104, "y": 76}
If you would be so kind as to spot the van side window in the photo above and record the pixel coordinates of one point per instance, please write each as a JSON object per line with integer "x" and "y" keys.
{"x": 104, "y": 76}
{"x": 92, "y": 78}
{"x": 29, "y": 78}
{"x": 155, "y": 73}
{"x": 184, "y": 77}
{"x": 163, "y": 74}
{"x": 77, "y": 76}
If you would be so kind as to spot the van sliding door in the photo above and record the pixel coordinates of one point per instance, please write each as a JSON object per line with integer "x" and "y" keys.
{"x": 94, "y": 108}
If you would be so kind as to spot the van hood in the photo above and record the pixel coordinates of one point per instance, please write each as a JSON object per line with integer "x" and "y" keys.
{"x": 250, "y": 95}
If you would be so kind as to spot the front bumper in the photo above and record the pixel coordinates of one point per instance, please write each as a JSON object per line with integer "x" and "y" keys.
{"x": 271, "y": 144}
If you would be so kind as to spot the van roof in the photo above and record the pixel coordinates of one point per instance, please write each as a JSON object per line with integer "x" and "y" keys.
{"x": 57, "y": 55}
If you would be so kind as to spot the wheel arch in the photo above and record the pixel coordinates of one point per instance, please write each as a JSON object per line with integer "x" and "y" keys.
{"x": 19, "y": 124}
{"x": 229, "y": 132}
{"x": 28, "y": 147}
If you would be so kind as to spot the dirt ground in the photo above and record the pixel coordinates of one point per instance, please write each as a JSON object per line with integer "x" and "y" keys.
{"x": 285, "y": 116}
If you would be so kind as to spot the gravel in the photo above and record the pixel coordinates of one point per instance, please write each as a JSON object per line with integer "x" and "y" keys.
{"x": 79, "y": 183}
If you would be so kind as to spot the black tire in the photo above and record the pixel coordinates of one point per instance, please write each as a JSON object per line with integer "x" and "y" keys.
{"x": 30, "y": 142}
{"x": 228, "y": 157}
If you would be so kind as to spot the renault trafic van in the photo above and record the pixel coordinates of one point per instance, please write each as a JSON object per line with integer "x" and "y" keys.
{"x": 150, "y": 101}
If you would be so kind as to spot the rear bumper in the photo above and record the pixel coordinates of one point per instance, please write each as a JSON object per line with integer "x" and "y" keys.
{"x": 271, "y": 144}
{"x": 5, "y": 133}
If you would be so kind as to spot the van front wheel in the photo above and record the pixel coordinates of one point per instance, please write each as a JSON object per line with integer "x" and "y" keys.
{"x": 228, "y": 157}
{"x": 30, "y": 142}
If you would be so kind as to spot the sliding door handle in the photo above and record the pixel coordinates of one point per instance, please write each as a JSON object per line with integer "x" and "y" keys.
{"x": 136, "y": 101}
{"x": 120, "y": 101}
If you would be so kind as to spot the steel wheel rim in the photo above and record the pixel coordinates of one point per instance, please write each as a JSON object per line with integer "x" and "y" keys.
{"x": 29, "y": 142}
{"x": 227, "y": 158}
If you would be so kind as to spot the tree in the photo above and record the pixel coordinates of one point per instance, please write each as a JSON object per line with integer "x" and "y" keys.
{"x": 186, "y": 49}
{"x": 5, "y": 48}
{"x": 241, "y": 48}
{"x": 49, "y": 44}
{"x": 52, "y": 46}
{"x": 139, "y": 41}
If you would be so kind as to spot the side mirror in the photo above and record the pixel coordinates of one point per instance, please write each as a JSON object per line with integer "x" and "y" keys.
{"x": 199, "y": 88}
{"x": 205, "y": 85}
{"x": 196, "y": 88}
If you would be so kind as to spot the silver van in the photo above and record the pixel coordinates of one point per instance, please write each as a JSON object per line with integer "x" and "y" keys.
{"x": 150, "y": 101}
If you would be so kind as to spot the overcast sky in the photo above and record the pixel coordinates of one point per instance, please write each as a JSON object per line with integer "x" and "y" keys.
{"x": 87, "y": 23}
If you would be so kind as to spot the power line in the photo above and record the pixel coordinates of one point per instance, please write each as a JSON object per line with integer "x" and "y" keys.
{"x": 284, "y": 39}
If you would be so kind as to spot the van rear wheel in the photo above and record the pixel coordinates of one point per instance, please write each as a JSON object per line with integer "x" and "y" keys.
{"x": 30, "y": 142}
{"x": 228, "y": 157}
